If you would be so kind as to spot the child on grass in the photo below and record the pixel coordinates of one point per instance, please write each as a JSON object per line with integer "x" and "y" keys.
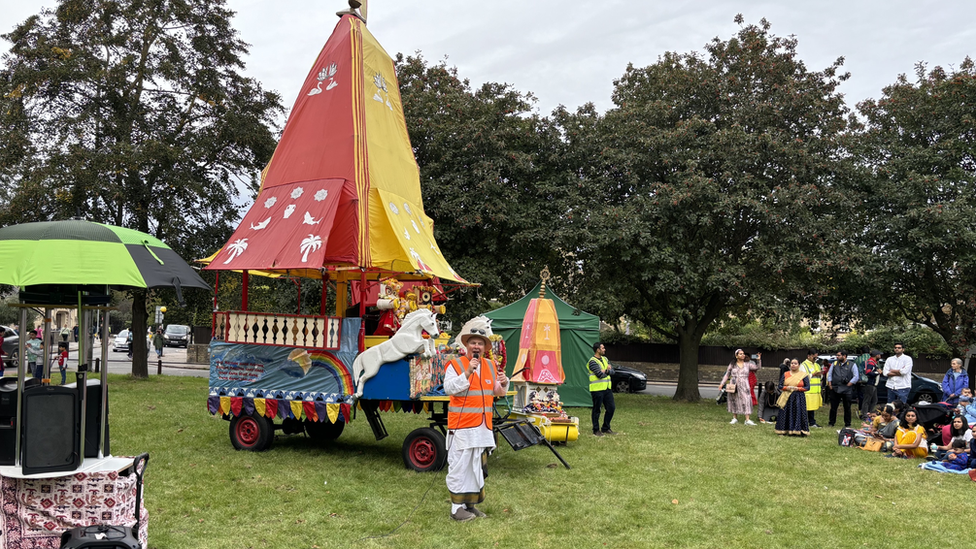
{"x": 63, "y": 362}
{"x": 956, "y": 461}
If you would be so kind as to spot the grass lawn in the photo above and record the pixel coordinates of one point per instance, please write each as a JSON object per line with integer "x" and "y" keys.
{"x": 678, "y": 475}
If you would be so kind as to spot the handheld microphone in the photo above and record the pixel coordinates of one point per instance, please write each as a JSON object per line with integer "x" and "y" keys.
{"x": 475, "y": 361}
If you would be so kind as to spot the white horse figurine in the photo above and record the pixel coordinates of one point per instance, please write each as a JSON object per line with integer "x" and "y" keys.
{"x": 407, "y": 340}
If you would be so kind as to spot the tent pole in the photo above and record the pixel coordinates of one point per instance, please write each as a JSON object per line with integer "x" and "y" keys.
{"x": 244, "y": 295}
{"x": 213, "y": 317}
{"x": 325, "y": 293}
{"x": 362, "y": 310}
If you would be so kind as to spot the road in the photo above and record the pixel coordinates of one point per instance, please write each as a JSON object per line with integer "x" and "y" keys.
{"x": 174, "y": 362}
{"x": 667, "y": 389}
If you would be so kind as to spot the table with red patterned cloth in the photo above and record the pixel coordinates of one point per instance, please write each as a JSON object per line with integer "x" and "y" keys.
{"x": 36, "y": 510}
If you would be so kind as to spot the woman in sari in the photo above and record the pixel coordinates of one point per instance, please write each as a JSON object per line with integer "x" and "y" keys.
{"x": 740, "y": 401}
{"x": 793, "y": 419}
{"x": 910, "y": 438}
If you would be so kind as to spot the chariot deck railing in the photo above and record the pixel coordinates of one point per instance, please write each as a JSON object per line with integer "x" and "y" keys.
{"x": 306, "y": 331}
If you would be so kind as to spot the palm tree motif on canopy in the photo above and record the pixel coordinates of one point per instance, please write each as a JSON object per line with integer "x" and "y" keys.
{"x": 236, "y": 249}
{"x": 310, "y": 244}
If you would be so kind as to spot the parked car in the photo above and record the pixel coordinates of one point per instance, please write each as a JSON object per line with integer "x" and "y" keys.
{"x": 176, "y": 335}
{"x": 11, "y": 342}
{"x": 627, "y": 380}
{"x": 121, "y": 342}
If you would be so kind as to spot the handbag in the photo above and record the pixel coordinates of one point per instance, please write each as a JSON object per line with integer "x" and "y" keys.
{"x": 730, "y": 388}
{"x": 873, "y": 444}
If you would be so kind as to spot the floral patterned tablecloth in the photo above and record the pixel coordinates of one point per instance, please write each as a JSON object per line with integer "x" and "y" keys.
{"x": 37, "y": 510}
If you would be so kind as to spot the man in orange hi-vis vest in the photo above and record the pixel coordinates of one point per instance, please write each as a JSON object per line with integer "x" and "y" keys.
{"x": 472, "y": 383}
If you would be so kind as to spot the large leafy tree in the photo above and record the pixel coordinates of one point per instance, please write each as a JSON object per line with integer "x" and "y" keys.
{"x": 920, "y": 148}
{"x": 713, "y": 187}
{"x": 134, "y": 113}
{"x": 492, "y": 178}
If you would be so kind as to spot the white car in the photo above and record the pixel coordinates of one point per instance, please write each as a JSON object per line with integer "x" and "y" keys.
{"x": 121, "y": 342}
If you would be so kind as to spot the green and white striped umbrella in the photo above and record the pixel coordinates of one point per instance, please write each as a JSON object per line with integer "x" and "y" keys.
{"x": 82, "y": 252}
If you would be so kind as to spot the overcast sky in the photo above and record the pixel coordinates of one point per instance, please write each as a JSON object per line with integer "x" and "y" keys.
{"x": 569, "y": 51}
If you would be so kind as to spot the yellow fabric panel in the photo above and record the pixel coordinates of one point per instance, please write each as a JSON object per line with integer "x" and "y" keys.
{"x": 392, "y": 166}
{"x": 402, "y": 237}
{"x": 333, "y": 411}
{"x": 224, "y": 405}
{"x": 260, "y": 407}
{"x": 296, "y": 409}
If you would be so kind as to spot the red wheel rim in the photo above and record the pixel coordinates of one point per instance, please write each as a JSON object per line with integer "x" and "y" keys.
{"x": 248, "y": 431}
{"x": 422, "y": 452}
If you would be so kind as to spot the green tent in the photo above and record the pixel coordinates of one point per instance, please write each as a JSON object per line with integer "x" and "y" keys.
{"x": 578, "y": 331}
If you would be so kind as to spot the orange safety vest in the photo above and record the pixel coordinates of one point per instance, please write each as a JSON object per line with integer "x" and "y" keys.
{"x": 476, "y": 405}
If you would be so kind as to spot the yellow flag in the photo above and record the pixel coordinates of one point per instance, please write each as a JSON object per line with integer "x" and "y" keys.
{"x": 333, "y": 411}
{"x": 296, "y": 409}
{"x": 224, "y": 405}
{"x": 260, "y": 407}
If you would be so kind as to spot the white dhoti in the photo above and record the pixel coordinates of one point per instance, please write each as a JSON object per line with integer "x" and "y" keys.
{"x": 465, "y": 475}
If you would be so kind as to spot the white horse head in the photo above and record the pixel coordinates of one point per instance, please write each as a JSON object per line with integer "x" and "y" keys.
{"x": 426, "y": 319}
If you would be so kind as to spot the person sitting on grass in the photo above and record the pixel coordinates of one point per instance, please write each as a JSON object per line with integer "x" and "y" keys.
{"x": 885, "y": 424}
{"x": 958, "y": 430}
{"x": 957, "y": 460}
{"x": 910, "y": 438}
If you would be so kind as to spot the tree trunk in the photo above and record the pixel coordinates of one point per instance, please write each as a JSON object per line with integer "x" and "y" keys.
{"x": 140, "y": 366}
{"x": 689, "y": 340}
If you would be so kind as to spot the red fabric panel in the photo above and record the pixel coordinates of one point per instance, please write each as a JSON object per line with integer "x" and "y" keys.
{"x": 317, "y": 141}
{"x": 309, "y": 408}
{"x": 236, "y": 403}
{"x": 274, "y": 232}
{"x": 271, "y": 408}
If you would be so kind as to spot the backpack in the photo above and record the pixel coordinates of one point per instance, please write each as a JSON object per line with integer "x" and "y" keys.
{"x": 846, "y": 437}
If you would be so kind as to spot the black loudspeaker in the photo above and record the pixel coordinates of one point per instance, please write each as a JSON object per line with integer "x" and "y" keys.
{"x": 100, "y": 537}
{"x": 50, "y": 430}
{"x": 92, "y": 418}
{"x": 8, "y": 417}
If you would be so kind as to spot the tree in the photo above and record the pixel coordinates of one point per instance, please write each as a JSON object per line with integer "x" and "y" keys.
{"x": 135, "y": 114}
{"x": 713, "y": 188}
{"x": 492, "y": 179}
{"x": 920, "y": 148}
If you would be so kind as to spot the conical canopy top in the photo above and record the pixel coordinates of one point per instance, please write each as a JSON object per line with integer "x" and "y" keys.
{"x": 343, "y": 187}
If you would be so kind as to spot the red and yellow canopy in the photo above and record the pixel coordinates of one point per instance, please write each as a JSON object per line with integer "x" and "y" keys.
{"x": 343, "y": 188}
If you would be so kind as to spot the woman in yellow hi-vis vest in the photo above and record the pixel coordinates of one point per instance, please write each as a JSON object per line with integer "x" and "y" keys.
{"x": 814, "y": 397}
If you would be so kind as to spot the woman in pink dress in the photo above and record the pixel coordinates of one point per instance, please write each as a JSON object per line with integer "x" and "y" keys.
{"x": 740, "y": 402}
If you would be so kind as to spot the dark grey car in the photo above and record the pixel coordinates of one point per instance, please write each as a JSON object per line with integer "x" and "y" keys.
{"x": 11, "y": 341}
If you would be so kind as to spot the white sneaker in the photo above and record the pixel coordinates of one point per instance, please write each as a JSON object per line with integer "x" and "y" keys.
{"x": 749, "y": 422}
{"x": 734, "y": 421}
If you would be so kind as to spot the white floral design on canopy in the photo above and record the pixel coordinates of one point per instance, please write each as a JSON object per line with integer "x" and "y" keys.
{"x": 321, "y": 195}
{"x": 394, "y": 209}
{"x": 297, "y": 192}
{"x": 270, "y": 202}
{"x": 407, "y": 208}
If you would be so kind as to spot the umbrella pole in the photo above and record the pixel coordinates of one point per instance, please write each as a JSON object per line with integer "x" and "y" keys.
{"x": 21, "y": 366}
{"x": 104, "y": 379}
{"x": 81, "y": 377}
{"x": 45, "y": 368}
